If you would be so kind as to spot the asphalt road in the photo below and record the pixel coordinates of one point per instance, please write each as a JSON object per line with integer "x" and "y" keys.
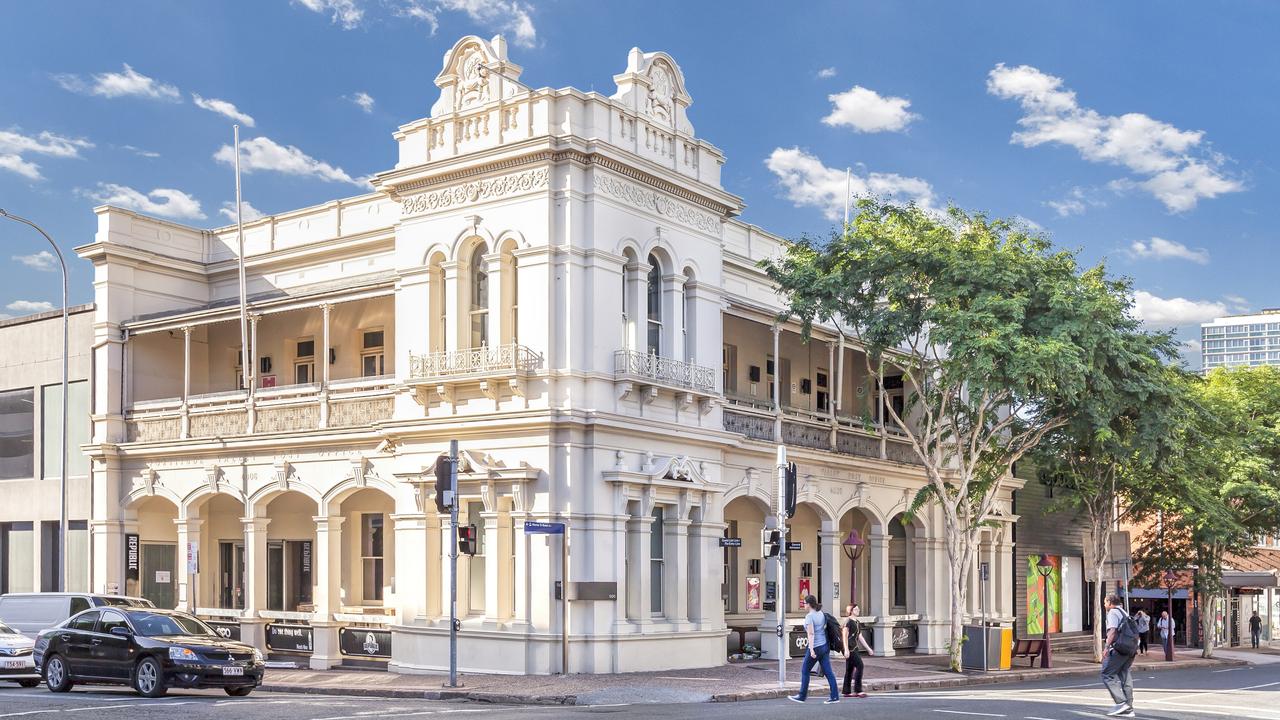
{"x": 1244, "y": 692}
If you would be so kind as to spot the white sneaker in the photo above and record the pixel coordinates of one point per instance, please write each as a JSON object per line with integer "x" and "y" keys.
{"x": 794, "y": 698}
{"x": 1120, "y": 711}
{"x": 1128, "y": 712}
{"x": 829, "y": 701}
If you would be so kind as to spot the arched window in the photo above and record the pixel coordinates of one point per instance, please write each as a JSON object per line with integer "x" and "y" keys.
{"x": 514, "y": 289}
{"x": 653, "y": 292}
{"x": 479, "y": 299}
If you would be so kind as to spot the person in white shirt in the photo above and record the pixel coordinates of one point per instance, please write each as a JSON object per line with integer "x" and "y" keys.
{"x": 1116, "y": 666}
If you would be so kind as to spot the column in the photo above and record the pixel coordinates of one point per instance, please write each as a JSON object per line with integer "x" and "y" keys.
{"x": 499, "y": 332}
{"x": 706, "y": 608}
{"x": 327, "y": 565}
{"x": 831, "y": 555}
{"x": 410, "y": 565}
{"x": 253, "y": 629}
{"x": 673, "y": 317}
{"x": 186, "y": 380}
{"x": 676, "y": 571}
{"x": 492, "y": 570}
{"x": 777, "y": 387}
{"x": 878, "y": 588}
{"x": 1001, "y": 571}
{"x": 456, "y": 328}
{"x": 431, "y": 607}
{"x": 324, "y": 366}
{"x": 189, "y": 580}
{"x": 831, "y": 400}
{"x": 637, "y": 306}
{"x": 253, "y": 372}
{"x": 520, "y": 609}
{"x": 638, "y": 585}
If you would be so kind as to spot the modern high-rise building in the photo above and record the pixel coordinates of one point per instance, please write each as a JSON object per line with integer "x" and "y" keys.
{"x": 1238, "y": 340}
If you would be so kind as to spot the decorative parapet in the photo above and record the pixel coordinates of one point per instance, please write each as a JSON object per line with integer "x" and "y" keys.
{"x": 484, "y": 361}
{"x": 756, "y": 427}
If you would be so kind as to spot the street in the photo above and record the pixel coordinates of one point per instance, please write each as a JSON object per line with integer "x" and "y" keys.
{"x": 1240, "y": 692}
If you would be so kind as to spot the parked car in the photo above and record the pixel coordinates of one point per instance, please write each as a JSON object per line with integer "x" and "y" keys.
{"x": 29, "y": 613}
{"x": 16, "y": 660}
{"x": 148, "y": 649}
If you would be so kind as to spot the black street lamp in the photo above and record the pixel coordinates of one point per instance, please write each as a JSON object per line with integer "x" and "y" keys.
{"x": 1170, "y": 577}
{"x": 852, "y": 546}
{"x": 1045, "y": 568}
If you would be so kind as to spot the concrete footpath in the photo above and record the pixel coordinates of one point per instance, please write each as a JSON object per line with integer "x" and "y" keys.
{"x": 756, "y": 680}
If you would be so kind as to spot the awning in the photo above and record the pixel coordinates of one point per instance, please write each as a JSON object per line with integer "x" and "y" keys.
{"x": 1251, "y": 579}
{"x": 1156, "y": 594}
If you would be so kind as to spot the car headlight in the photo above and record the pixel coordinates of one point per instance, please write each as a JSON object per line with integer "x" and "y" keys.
{"x": 257, "y": 656}
{"x": 181, "y": 653}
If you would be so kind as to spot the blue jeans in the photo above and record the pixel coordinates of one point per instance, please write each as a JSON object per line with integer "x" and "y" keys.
{"x": 824, "y": 658}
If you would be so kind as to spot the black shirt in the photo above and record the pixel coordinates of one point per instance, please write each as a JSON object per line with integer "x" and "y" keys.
{"x": 1255, "y": 623}
{"x": 855, "y": 629}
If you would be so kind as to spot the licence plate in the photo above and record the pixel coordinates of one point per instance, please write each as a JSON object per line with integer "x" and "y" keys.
{"x": 14, "y": 664}
{"x": 228, "y": 670}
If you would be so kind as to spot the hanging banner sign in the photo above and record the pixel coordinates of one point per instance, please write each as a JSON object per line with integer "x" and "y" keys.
{"x": 132, "y": 557}
{"x": 366, "y": 642}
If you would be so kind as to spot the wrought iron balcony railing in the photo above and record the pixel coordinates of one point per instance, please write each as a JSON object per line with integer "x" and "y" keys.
{"x": 484, "y": 361}
{"x": 632, "y": 364}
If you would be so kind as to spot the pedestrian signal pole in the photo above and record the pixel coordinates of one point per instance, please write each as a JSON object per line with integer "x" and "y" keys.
{"x": 447, "y": 499}
{"x": 782, "y": 566}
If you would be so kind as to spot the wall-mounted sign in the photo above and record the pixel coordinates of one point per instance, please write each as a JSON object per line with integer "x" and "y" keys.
{"x": 289, "y": 638}
{"x": 227, "y": 630}
{"x": 905, "y": 636}
{"x": 543, "y": 528}
{"x": 794, "y": 546}
{"x": 730, "y": 542}
{"x": 753, "y": 593}
{"x": 163, "y": 577}
{"x": 132, "y": 562}
{"x": 797, "y": 643}
{"x": 306, "y": 557}
{"x": 805, "y": 588}
{"x": 366, "y": 642}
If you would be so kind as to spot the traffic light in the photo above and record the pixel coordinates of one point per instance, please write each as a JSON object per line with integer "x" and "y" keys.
{"x": 771, "y": 541}
{"x": 790, "y": 476}
{"x": 444, "y": 484}
{"x": 467, "y": 539}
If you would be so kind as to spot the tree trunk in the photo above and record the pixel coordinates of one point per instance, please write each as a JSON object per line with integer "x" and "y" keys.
{"x": 1100, "y": 612}
{"x": 1207, "y": 627}
{"x": 958, "y": 593}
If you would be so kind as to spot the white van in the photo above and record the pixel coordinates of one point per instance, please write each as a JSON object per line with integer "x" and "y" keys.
{"x": 29, "y": 613}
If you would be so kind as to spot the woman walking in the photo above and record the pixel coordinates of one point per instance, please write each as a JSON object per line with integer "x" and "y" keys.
{"x": 815, "y": 626}
{"x": 1144, "y": 628}
{"x": 852, "y": 636}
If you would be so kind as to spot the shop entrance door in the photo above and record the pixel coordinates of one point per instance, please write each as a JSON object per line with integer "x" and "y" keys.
{"x": 275, "y": 576}
{"x": 159, "y": 579}
{"x": 231, "y": 575}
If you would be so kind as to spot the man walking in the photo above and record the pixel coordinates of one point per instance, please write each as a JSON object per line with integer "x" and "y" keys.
{"x": 853, "y": 639}
{"x": 815, "y": 627}
{"x": 1144, "y": 627}
{"x": 1118, "y": 655}
{"x": 1255, "y": 628}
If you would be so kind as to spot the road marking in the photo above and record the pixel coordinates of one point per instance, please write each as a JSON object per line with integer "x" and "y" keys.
{"x": 29, "y": 712}
{"x": 130, "y": 705}
{"x": 961, "y": 712}
{"x": 1227, "y": 670}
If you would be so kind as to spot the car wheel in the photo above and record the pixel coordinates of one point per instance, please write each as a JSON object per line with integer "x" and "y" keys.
{"x": 56, "y": 675}
{"x": 28, "y": 683}
{"x": 238, "y": 691}
{"x": 148, "y": 678}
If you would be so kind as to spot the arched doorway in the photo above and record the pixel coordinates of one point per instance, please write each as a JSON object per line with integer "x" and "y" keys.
{"x": 742, "y": 587}
{"x": 290, "y": 553}
{"x": 367, "y": 548}
{"x": 152, "y": 551}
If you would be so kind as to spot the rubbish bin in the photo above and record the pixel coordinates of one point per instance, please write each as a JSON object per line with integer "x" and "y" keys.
{"x": 998, "y": 643}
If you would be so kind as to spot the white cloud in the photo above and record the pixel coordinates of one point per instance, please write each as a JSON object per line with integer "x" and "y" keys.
{"x": 43, "y": 260}
{"x": 346, "y": 13}
{"x": 1075, "y": 202}
{"x": 249, "y": 212}
{"x": 13, "y": 145}
{"x": 1163, "y": 156}
{"x": 121, "y": 84}
{"x": 264, "y": 154}
{"x": 363, "y": 100}
{"x": 867, "y": 111}
{"x": 1191, "y": 346}
{"x": 1160, "y": 249}
{"x": 1029, "y": 224}
{"x": 224, "y": 108}
{"x": 29, "y": 306}
{"x": 1174, "y": 312}
{"x": 164, "y": 202}
{"x": 827, "y": 72}
{"x": 139, "y": 151}
{"x": 809, "y": 182}
{"x": 15, "y": 164}
{"x": 511, "y": 16}
{"x": 418, "y": 10}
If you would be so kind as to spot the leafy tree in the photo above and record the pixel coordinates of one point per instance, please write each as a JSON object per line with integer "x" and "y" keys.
{"x": 1222, "y": 491}
{"x": 999, "y": 336}
{"x": 1104, "y": 462}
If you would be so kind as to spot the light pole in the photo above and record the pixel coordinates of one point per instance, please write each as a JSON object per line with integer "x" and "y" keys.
{"x": 852, "y": 546}
{"x": 1170, "y": 577}
{"x": 62, "y": 521}
{"x": 1045, "y": 568}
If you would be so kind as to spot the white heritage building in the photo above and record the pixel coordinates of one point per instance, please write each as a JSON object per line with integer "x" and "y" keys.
{"x": 555, "y": 278}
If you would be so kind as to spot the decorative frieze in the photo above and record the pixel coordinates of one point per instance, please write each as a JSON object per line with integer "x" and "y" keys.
{"x": 659, "y": 203}
{"x": 475, "y": 191}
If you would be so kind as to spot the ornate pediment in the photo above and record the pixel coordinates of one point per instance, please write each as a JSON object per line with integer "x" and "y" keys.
{"x": 476, "y": 72}
{"x": 653, "y": 86}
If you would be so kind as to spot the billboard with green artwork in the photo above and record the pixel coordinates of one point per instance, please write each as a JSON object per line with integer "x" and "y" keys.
{"x": 1037, "y": 596}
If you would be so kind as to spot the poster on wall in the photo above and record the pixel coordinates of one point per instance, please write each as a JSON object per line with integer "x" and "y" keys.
{"x": 753, "y": 593}
{"x": 1044, "y": 592}
{"x": 805, "y": 591}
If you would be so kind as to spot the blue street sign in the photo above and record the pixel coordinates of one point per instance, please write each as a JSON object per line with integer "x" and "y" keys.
{"x": 545, "y": 528}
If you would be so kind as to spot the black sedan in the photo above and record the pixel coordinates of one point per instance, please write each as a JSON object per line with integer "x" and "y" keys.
{"x": 147, "y": 649}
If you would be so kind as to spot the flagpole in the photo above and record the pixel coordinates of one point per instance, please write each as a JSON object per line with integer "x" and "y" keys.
{"x": 244, "y": 301}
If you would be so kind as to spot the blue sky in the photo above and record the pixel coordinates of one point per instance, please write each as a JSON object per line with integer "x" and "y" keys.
{"x": 1140, "y": 134}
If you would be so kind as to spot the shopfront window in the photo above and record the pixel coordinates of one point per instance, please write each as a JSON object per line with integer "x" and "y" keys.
{"x": 371, "y": 554}
{"x": 51, "y": 429}
{"x": 17, "y": 434}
